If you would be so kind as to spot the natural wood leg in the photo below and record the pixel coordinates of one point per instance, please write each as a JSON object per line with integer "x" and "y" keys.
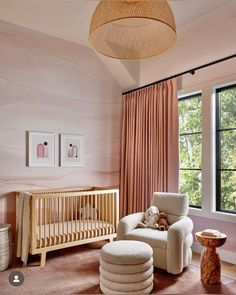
{"x": 210, "y": 266}
{"x": 43, "y": 259}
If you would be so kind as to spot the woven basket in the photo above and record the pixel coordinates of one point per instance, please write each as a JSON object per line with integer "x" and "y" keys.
{"x": 5, "y": 246}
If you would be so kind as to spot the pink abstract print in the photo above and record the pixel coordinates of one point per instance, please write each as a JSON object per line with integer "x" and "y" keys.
{"x": 73, "y": 151}
{"x": 42, "y": 150}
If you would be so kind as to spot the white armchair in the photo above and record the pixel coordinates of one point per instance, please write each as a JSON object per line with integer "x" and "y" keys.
{"x": 172, "y": 248}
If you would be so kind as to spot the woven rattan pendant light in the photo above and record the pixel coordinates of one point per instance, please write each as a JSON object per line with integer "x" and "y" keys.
{"x": 130, "y": 29}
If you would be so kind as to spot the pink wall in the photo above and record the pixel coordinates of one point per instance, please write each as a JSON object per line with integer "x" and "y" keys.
{"x": 47, "y": 84}
{"x": 228, "y": 228}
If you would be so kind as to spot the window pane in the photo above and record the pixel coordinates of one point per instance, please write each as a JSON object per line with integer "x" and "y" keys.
{"x": 190, "y": 147}
{"x": 190, "y": 183}
{"x": 228, "y": 149}
{"x": 227, "y": 108}
{"x": 228, "y": 190}
{"x": 190, "y": 114}
{"x": 225, "y": 149}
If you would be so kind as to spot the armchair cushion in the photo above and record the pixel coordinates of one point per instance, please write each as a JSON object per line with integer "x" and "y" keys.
{"x": 177, "y": 204}
{"x": 155, "y": 238}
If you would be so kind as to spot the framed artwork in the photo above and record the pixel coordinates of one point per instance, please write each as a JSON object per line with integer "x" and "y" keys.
{"x": 41, "y": 149}
{"x": 71, "y": 150}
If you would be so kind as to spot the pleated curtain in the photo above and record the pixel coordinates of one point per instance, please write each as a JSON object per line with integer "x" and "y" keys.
{"x": 149, "y": 148}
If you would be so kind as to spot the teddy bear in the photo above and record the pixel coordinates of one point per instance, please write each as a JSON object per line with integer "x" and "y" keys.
{"x": 162, "y": 222}
{"x": 151, "y": 216}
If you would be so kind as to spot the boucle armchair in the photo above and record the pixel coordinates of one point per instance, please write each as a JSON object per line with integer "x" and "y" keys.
{"x": 172, "y": 248}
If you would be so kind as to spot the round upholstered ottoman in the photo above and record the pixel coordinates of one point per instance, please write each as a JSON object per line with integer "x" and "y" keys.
{"x": 126, "y": 267}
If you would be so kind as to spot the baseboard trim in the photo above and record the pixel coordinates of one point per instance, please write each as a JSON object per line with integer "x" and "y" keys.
{"x": 225, "y": 255}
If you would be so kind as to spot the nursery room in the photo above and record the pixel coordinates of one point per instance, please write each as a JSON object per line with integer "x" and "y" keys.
{"x": 117, "y": 147}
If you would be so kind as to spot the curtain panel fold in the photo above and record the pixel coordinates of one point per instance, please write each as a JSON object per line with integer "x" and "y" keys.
{"x": 149, "y": 148}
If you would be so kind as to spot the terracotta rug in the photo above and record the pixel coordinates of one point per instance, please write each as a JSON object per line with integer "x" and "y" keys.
{"x": 75, "y": 271}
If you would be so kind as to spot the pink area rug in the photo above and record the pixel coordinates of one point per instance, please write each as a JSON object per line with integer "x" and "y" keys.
{"x": 76, "y": 271}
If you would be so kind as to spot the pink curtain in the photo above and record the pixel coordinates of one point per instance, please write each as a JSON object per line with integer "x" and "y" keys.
{"x": 149, "y": 152}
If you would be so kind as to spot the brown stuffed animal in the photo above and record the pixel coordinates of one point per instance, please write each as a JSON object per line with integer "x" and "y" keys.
{"x": 162, "y": 222}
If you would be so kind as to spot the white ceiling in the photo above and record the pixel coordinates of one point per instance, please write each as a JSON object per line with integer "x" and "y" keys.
{"x": 69, "y": 20}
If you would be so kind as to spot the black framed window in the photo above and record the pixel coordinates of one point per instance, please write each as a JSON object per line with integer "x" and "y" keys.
{"x": 190, "y": 148}
{"x": 226, "y": 149}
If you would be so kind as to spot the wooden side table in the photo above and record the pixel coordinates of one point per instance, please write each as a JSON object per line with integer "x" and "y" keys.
{"x": 210, "y": 260}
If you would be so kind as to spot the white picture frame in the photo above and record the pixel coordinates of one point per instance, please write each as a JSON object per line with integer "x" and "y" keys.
{"x": 41, "y": 149}
{"x": 71, "y": 150}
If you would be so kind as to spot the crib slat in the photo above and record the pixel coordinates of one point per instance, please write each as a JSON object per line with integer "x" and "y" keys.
{"x": 84, "y": 234}
{"x": 99, "y": 213}
{"x": 112, "y": 209}
{"x": 104, "y": 214}
{"x": 67, "y": 217}
{"x": 87, "y": 198}
{"x": 103, "y": 208}
{"x": 96, "y": 206}
{"x": 71, "y": 218}
{"x": 58, "y": 219}
{"x": 65, "y": 220}
{"x": 44, "y": 205}
{"x": 54, "y": 221}
{"x": 63, "y": 224}
{"x": 80, "y": 227}
{"x": 91, "y": 217}
{"x": 83, "y": 221}
{"x": 40, "y": 221}
{"x": 94, "y": 216}
{"x": 111, "y": 215}
{"x": 69, "y": 208}
{"x": 34, "y": 219}
{"x": 49, "y": 205}
{"x": 98, "y": 216}
{"x": 76, "y": 216}
{"x": 106, "y": 200}
{"x": 108, "y": 213}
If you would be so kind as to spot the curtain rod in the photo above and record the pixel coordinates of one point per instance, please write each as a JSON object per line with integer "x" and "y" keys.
{"x": 192, "y": 71}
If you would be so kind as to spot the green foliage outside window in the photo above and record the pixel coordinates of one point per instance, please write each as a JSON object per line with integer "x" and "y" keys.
{"x": 227, "y": 149}
{"x": 190, "y": 147}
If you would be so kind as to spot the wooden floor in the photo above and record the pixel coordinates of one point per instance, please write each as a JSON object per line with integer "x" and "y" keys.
{"x": 227, "y": 269}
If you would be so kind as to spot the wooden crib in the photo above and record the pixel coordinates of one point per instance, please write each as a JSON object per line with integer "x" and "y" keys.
{"x": 70, "y": 217}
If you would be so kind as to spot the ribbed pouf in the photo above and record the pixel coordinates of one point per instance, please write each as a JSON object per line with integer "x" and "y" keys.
{"x": 126, "y": 267}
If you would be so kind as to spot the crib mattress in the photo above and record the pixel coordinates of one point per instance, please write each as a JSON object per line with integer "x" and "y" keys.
{"x": 69, "y": 231}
